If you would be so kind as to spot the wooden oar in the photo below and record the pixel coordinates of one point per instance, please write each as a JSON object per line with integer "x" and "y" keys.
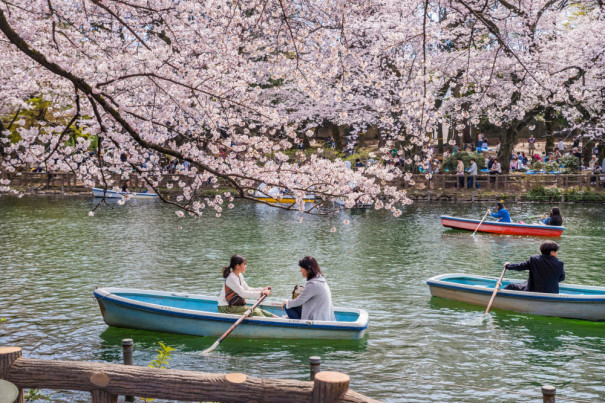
{"x": 483, "y": 219}
{"x": 244, "y": 316}
{"x": 498, "y": 284}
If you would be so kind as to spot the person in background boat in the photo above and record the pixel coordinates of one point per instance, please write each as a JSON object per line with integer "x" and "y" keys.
{"x": 545, "y": 270}
{"x": 502, "y": 214}
{"x": 235, "y": 290}
{"x": 554, "y": 218}
{"x": 125, "y": 186}
{"x": 315, "y": 301}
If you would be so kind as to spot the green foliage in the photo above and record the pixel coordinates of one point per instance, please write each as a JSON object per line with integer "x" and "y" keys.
{"x": 545, "y": 193}
{"x": 160, "y": 361}
{"x": 542, "y": 193}
{"x": 35, "y": 394}
{"x": 451, "y": 161}
{"x": 546, "y": 166}
{"x": 163, "y": 356}
{"x": 570, "y": 164}
{"x": 577, "y": 195}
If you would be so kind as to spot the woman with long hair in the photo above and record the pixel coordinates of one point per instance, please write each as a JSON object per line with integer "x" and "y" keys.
{"x": 315, "y": 300}
{"x": 554, "y": 217}
{"x": 235, "y": 290}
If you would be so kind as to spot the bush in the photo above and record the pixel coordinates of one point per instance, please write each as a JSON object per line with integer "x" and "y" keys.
{"x": 576, "y": 195}
{"x": 544, "y": 193}
{"x": 570, "y": 164}
{"x": 451, "y": 161}
{"x": 551, "y": 166}
{"x": 546, "y": 166}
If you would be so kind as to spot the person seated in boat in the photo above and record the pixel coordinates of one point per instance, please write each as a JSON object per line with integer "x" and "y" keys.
{"x": 125, "y": 186}
{"x": 235, "y": 290}
{"x": 554, "y": 218}
{"x": 502, "y": 214}
{"x": 545, "y": 270}
{"x": 315, "y": 301}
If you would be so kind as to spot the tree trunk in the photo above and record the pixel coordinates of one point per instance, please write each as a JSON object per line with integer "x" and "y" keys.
{"x": 508, "y": 139}
{"x": 587, "y": 147}
{"x": 440, "y": 138}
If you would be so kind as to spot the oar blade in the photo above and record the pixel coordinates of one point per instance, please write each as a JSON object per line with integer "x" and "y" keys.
{"x": 212, "y": 347}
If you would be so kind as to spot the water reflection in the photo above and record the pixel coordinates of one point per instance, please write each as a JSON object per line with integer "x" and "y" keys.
{"x": 52, "y": 255}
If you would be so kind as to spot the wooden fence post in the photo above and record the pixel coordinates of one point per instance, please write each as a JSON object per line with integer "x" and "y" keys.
{"x": 8, "y": 355}
{"x": 328, "y": 386}
{"x": 315, "y": 364}
{"x": 101, "y": 380}
{"x": 548, "y": 394}
{"x": 128, "y": 360}
{"x": 101, "y": 396}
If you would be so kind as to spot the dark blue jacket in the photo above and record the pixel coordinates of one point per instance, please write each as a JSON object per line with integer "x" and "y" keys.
{"x": 503, "y": 215}
{"x": 545, "y": 272}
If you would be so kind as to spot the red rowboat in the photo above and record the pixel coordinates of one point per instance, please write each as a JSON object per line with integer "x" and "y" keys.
{"x": 507, "y": 228}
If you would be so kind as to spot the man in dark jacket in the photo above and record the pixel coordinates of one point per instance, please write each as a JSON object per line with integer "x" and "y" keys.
{"x": 545, "y": 271}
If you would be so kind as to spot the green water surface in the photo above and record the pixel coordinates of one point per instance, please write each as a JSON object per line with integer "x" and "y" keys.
{"x": 418, "y": 348}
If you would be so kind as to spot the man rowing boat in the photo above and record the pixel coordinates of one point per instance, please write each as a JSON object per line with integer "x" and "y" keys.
{"x": 545, "y": 271}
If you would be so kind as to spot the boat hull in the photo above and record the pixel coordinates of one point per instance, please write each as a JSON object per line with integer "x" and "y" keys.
{"x": 110, "y": 194}
{"x": 501, "y": 228}
{"x": 122, "y": 308}
{"x": 285, "y": 200}
{"x": 573, "y": 301}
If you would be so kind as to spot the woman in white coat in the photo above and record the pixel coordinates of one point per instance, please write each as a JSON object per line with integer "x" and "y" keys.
{"x": 235, "y": 290}
{"x": 315, "y": 301}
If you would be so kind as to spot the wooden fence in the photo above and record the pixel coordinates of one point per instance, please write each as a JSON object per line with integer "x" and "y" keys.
{"x": 105, "y": 382}
{"x": 508, "y": 183}
{"x": 66, "y": 182}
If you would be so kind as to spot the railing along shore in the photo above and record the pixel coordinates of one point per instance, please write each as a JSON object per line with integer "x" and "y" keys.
{"x": 61, "y": 182}
{"x": 105, "y": 382}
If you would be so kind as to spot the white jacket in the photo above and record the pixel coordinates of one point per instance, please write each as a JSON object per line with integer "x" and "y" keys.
{"x": 239, "y": 285}
{"x": 316, "y": 300}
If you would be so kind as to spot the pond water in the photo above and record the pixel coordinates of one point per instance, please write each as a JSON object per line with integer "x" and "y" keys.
{"x": 417, "y": 349}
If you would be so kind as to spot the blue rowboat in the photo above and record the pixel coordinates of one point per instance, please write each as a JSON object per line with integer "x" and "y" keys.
{"x": 197, "y": 315}
{"x": 111, "y": 194}
{"x": 573, "y": 301}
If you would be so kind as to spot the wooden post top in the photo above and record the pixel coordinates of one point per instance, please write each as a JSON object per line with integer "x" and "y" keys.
{"x": 549, "y": 390}
{"x": 332, "y": 377}
{"x": 236, "y": 377}
{"x": 9, "y": 350}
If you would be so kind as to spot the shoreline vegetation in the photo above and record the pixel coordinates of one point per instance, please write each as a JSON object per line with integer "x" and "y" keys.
{"x": 37, "y": 185}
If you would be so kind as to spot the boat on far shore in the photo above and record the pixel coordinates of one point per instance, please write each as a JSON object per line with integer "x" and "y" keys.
{"x": 276, "y": 195}
{"x": 573, "y": 301}
{"x": 112, "y": 194}
{"x": 507, "y": 228}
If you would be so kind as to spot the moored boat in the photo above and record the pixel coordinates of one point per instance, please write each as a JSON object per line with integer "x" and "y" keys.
{"x": 507, "y": 228}
{"x": 275, "y": 195}
{"x": 112, "y": 194}
{"x": 573, "y": 301}
{"x": 197, "y": 315}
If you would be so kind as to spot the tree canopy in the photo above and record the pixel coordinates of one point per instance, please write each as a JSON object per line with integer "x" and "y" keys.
{"x": 229, "y": 86}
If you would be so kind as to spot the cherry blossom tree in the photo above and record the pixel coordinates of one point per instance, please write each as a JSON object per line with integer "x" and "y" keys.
{"x": 227, "y": 88}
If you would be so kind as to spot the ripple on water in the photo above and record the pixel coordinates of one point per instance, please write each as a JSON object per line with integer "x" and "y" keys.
{"x": 418, "y": 348}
